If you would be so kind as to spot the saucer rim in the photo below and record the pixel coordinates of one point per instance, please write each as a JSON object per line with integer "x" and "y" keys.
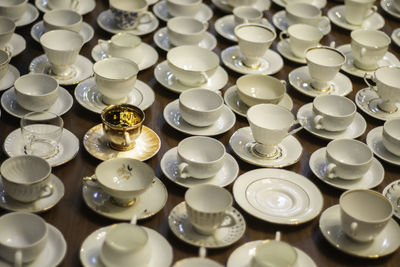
{"x": 384, "y": 192}
{"x": 395, "y": 38}
{"x": 322, "y": 4}
{"x": 44, "y": 8}
{"x": 162, "y": 3}
{"x": 291, "y": 57}
{"x": 383, "y": 4}
{"x": 35, "y": 15}
{"x": 375, "y": 133}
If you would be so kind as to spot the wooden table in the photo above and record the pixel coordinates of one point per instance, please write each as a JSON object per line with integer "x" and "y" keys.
{"x": 76, "y": 221}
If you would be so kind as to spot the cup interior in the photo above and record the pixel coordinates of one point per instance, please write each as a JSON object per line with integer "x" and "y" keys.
{"x": 126, "y": 236}
{"x": 261, "y": 87}
{"x": 201, "y": 100}
{"x": 122, "y": 116}
{"x": 201, "y": 149}
{"x": 325, "y": 56}
{"x": 36, "y": 84}
{"x": 208, "y": 198}
{"x": 270, "y": 116}
{"x": 192, "y": 58}
{"x": 305, "y": 32}
{"x": 125, "y": 40}
{"x": 6, "y": 25}
{"x": 255, "y": 33}
{"x": 389, "y": 76}
{"x": 247, "y": 12}
{"x": 62, "y": 40}
{"x": 185, "y": 25}
{"x": 62, "y": 17}
{"x": 349, "y": 151}
{"x": 334, "y": 105}
{"x": 128, "y": 5}
{"x": 185, "y": 2}
{"x": 303, "y": 10}
{"x": 115, "y": 69}
{"x": 275, "y": 253}
{"x": 373, "y": 39}
{"x": 11, "y": 3}
{"x": 392, "y": 128}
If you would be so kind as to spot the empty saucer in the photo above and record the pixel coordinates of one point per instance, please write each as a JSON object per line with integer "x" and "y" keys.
{"x": 85, "y": 6}
{"x": 261, "y": 5}
{"x": 388, "y": 6}
{"x": 283, "y": 48}
{"x": 374, "y": 141}
{"x": 392, "y": 193}
{"x": 160, "y": 10}
{"x": 16, "y": 45}
{"x": 8, "y": 80}
{"x": 38, "y": 30}
{"x": 318, "y": 3}
{"x": 336, "y": 15}
{"x": 396, "y": 36}
{"x": 31, "y": 14}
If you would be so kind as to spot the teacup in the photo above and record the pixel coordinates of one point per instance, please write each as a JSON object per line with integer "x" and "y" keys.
{"x": 254, "y": 40}
{"x": 123, "y": 45}
{"x": 192, "y": 65}
{"x": 391, "y": 136}
{"x": 270, "y": 124}
{"x": 122, "y": 125}
{"x": 306, "y": 13}
{"x": 368, "y": 47}
{"x": 364, "y": 214}
{"x": 237, "y": 3}
{"x": 26, "y": 178}
{"x": 62, "y": 19}
{"x": 200, "y": 157}
{"x": 128, "y": 14}
{"x": 207, "y": 207}
{"x": 256, "y": 89}
{"x": 396, "y": 4}
{"x": 200, "y": 261}
{"x": 5, "y": 57}
{"x": 63, "y": 4}
{"x": 23, "y": 237}
{"x": 186, "y": 31}
{"x": 7, "y": 28}
{"x": 347, "y": 159}
{"x": 188, "y": 8}
{"x": 115, "y": 78}
{"x": 301, "y": 37}
{"x": 200, "y": 107}
{"x": 333, "y": 112}
{"x": 13, "y": 9}
{"x": 357, "y": 11}
{"x": 246, "y": 14}
{"x": 323, "y": 64}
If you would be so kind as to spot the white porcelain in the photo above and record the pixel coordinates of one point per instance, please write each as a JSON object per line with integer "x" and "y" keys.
{"x": 391, "y": 137}
{"x": 5, "y": 57}
{"x": 336, "y": 15}
{"x": 7, "y": 28}
{"x": 204, "y": 12}
{"x": 374, "y": 141}
{"x": 123, "y": 45}
{"x": 318, "y": 3}
{"x": 186, "y": 31}
{"x": 84, "y": 7}
{"x": 300, "y": 12}
{"x": 284, "y": 49}
{"x": 388, "y": 6}
{"x": 30, "y": 15}
{"x": 368, "y": 100}
{"x": 179, "y": 8}
{"x": 197, "y": 262}
{"x": 63, "y": 4}
{"x": 225, "y": 7}
{"x": 246, "y": 14}
{"x": 128, "y": 14}
{"x": 9, "y": 77}
{"x": 391, "y": 192}
{"x": 396, "y": 36}
{"x": 62, "y": 19}
{"x": 274, "y": 252}
{"x": 16, "y": 45}
{"x": 238, "y": 3}
{"x": 357, "y": 11}
{"x": 13, "y": 9}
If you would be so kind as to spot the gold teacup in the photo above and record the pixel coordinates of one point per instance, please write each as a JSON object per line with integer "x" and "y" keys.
{"x": 122, "y": 125}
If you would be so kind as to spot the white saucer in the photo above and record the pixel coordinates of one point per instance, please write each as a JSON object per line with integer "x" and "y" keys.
{"x": 172, "y": 117}
{"x": 388, "y": 6}
{"x": 242, "y": 143}
{"x": 164, "y": 76}
{"x": 106, "y": 21}
{"x": 82, "y": 68}
{"x": 14, "y": 145}
{"x": 261, "y": 5}
{"x": 31, "y": 14}
{"x": 374, "y": 141}
{"x": 161, "y": 39}
{"x": 305, "y": 116}
{"x": 367, "y": 100}
{"x": 384, "y": 243}
{"x": 233, "y": 101}
{"x": 151, "y": 201}
{"x": 392, "y": 193}
{"x": 300, "y": 80}
{"x": 318, "y": 3}
{"x": 225, "y": 236}
{"x": 62, "y": 105}
{"x": 371, "y": 179}
{"x": 8, "y": 80}
{"x": 278, "y": 196}
{"x": 396, "y": 36}
{"x": 85, "y": 6}
{"x": 38, "y": 30}
{"x": 228, "y": 173}
{"x": 16, "y": 45}
{"x": 225, "y": 26}
{"x": 242, "y": 256}
{"x": 90, "y": 249}
{"x": 336, "y": 15}
{"x": 150, "y": 58}
{"x": 160, "y": 10}
{"x": 40, "y": 205}
{"x": 388, "y": 60}
{"x": 283, "y": 48}
{"x": 87, "y": 94}
{"x": 271, "y": 62}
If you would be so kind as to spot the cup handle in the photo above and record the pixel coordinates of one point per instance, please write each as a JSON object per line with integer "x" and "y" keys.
{"x": 317, "y": 122}
{"x": 374, "y": 9}
{"x": 232, "y": 221}
{"x": 353, "y": 228}
{"x": 91, "y": 181}
{"x": 206, "y": 25}
{"x": 150, "y": 17}
{"x": 204, "y": 77}
{"x": 18, "y": 259}
{"x": 48, "y": 191}
{"x": 202, "y": 252}
{"x": 296, "y": 129}
{"x": 324, "y": 24}
{"x": 284, "y": 35}
{"x": 332, "y": 44}
{"x": 127, "y": 138}
{"x": 331, "y": 170}
{"x": 283, "y": 82}
{"x": 370, "y": 77}
{"x": 75, "y": 5}
{"x": 278, "y": 236}
{"x": 182, "y": 170}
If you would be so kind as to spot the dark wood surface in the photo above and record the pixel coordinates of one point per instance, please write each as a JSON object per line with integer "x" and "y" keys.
{"x": 76, "y": 221}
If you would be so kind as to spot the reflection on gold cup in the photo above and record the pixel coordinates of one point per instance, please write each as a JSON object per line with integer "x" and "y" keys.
{"x": 122, "y": 124}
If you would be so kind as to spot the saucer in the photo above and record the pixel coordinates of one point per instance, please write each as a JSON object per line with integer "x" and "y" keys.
{"x": 82, "y": 69}
{"x": 367, "y": 100}
{"x": 336, "y": 15}
{"x": 62, "y": 105}
{"x": 233, "y": 101}
{"x": 151, "y": 201}
{"x": 318, "y": 3}
{"x": 305, "y": 116}
{"x": 242, "y": 256}
{"x": 225, "y": 236}
{"x": 374, "y": 141}
{"x": 68, "y": 147}
{"x": 151, "y": 58}
{"x": 371, "y": 179}
{"x": 40, "y": 205}
{"x": 228, "y": 173}
{"x": 85, "y": 6}
{"x": 278, "y": 196}
{"x": 283, "y": 48}
{"x": 396, "y": 36}
{"x": 86, "y": 31}
{"x": 270, "y": 63}
{"x": 225, "y": 26}
{"x": 164, "y": 76}
{"x": 261, "y": 5}
{"x": 90, "y": 249}
{"x": 106, "y": 21}
{"x": 172, "y": 117}
{"x": 385, "y": 242}
{"x": 388, "y": 60}
{"x": 162, "y": 41}
{"x": 160, "y": 10}
{"x": 392, "y": 193}
{"x": 147, "y": 145}
{"x": 16, "y": 45}
{"x": 300, "y": 80}
{"x": 8, "y": 80}
{"x": 87, "y": 94}
{"x": 242, "y": 143}
{"x": 31, "y": 14}
{"x": 388, "y": 6}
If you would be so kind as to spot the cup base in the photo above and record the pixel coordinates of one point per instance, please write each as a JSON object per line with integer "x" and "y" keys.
{"x": 112, "y": 101}
{"x": 320, "y": 86}
{"x": 67, "y": 74}
{"x": 377, "y": 105}
{"x": 45, "y": 149}
{"x": 120, "y": 147}
{"x": 252, "y": 63}
{"x": 122, "y": 203}
{"x": 203, "y": 232}
{"x": 265, "y": 152}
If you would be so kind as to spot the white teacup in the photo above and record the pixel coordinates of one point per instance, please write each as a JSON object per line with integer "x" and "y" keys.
{"x": 23, "y": 237}
{"x": 188, "y": 8}
{"x": 13, "y": 9}
{"x": 364, "y": 214}
{"x": 62, "y": 19}
{"x": 306, "y": 13}
{"x": 333, "y": 112}
{"x": 391, "y": 136}
{"x": 5, "y": 58}
{"x": 124, "y": 45}
{"x": 200, "y": 157}
{"x": 368, "y": 47}
{"x": 237, "y": 3}
{"x": 186, "y": 31}
{"x": 254, "y": 40}
{"x": 356, "y": 11}
{"x": 200, "y": 107}
{"x": 246, "y": 14}
{"x": 207, "y": 206}
{"x": 128, "y": 14}
{"x": 63, "y": 4}
{"x": 7, "y": 28}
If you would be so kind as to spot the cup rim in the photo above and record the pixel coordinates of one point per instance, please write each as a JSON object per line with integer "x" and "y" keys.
{"x": 212, "y": 54}
{"x": 100, "y": 62}
{"x": 113, "y": 2}
{"x": 62, "y": 50}
{"x": 390, "y": 133}
{"x": 382, "y": 68}
{"x": 278, "y": 241}
{"x": 388, "y": 39}
{"x": 51, "y": 12}
{"x": 325, "y": 47}
{"x": 202, "y": 111}
{"x": 249, "y": 76}
{"x": 8, "y": 59}
{"x": 302, "y": 4}
{"x": 315, "y": 102}
{"x": 126, "y": 33}
{"x": 259, "y": 25}
{"x": 217, "y": 142}
{"x": 44, "y": 76}
{"x": 371, "y": 154}
{"x": 174, "y": 19}
{"x": 136, "y": 108}
{"x": 116, "y": 246}
{"x": 184, "y": 4}
{"x": 225, "y": 191}
{"x": 17, "y": 5}
{"x": 43, "y": 111}
{"x": 268, "y": 105}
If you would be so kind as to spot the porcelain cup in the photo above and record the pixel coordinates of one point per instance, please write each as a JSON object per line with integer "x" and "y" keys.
{"x": 129, "y": 14}
{"x": 123, "y": 45}
{"x": 63, "y": 4}
{"x": 186, "y": 31}
{"x": 207, "y": 208}
{"x": 357, "y": 11}
{"x": 270, "y": 124}
{"x": 200, "y": 107}
{"x": 13, "y": 9}
{"x": 306, "y": 13}
{"x": 237, "y": 3}
{"x": 187, "y": 8}
{"x": 7, "y": 28}
{"x": 333, "y": 112}
{"x": 396, "y": 4}
{"x": 23, "y": 237}
{"x": 192, "y": 65}
{"x": 391, "y": 136}
{"x": 364, "y": 214}
{"x": 200, "y": 261}
{"x": 254, "y": 40}
{"x": 5, "y": 57}
{"x": 246, "y": 14}
{"x": 62, "y": 19}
